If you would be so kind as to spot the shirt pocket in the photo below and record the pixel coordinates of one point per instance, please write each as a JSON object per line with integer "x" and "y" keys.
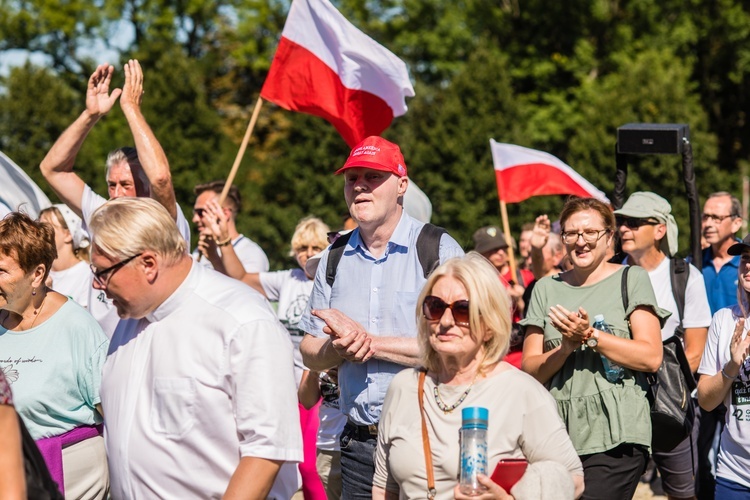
{"x": 405, "y": 315}
{"x": 173, "y": 412}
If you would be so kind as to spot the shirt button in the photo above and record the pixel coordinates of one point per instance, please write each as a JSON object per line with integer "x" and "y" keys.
{"x": 375, "y": 289}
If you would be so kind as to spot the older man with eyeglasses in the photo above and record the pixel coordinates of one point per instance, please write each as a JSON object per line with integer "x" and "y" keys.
{"x": 721, "y": 220}
{"x": 198, "y": 384}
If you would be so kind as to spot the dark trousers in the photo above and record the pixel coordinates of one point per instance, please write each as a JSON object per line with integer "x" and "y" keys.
{"x": 357, "y": 461}
{"x": 613, "y": 474}
{"x": 708, "y": 421}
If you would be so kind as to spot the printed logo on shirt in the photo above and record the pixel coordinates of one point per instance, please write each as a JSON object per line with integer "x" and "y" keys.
{"x": 102, "y": 297}
{"x": 11, "y": 375}
{"x": 741, "y": 393}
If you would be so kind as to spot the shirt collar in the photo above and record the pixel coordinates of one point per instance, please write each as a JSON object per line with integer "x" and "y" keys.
{"x": 176, "y": 300}
{"x": 708, "y": 257}
{"x": 400, "y": 236}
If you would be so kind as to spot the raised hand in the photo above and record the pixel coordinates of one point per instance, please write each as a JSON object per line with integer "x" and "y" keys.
{"x": 739, "y": 348}
{"x": 540, "y": 234}
{"x": 132, "y": 91}
{"x": 98, "y": 99}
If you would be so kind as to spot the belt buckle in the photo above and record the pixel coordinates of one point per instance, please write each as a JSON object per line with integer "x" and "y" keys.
{"x": 373, "y": 429}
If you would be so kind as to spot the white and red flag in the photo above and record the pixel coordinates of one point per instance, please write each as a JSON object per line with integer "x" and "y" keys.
{"x": 326, "y": 67}
{"x": 522, "y": 173}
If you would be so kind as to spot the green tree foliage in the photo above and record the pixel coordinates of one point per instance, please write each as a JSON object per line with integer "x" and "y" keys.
{"x": 555, "y": 76}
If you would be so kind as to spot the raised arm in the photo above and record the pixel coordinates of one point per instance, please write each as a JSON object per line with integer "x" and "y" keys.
{"x": 539, "y": 238}
{"x": 150, "y": 153}
{"x": 712, "y": 389}
{"x": 57, "y": 165}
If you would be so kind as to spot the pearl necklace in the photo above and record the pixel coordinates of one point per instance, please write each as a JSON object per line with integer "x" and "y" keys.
{"x": 449, "y": 409}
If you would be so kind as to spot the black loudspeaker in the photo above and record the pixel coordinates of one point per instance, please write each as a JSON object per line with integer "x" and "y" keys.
{"x": 652, "y": 138}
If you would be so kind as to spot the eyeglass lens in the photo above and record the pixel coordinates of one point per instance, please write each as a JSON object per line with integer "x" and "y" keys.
{"x": 434, "y": 308}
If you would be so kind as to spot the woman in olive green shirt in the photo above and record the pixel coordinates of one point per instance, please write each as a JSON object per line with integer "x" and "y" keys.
{"x": 608, "y": 421}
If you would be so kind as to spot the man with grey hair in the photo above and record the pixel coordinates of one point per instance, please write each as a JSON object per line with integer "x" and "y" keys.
{"x": 648, "y": 233}
{"x": 139, "y": 171}
{"x": 192, "y": 409}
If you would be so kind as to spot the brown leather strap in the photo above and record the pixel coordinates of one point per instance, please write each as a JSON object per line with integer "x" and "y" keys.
{"x": 431, "y": 491}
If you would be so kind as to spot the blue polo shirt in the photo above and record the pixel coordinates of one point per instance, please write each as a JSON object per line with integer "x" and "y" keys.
{"x": 381, "y": 294}
{"x": 721, "y": 286}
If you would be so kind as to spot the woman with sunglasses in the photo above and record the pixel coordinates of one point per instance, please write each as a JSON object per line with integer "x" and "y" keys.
{"x": 607, "y": 414}
{"x": 51, "y": 352}
{"x": 463, "y": 329}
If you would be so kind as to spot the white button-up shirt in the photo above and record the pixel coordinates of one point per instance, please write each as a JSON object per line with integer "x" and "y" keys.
{"x": 202, "y": 381}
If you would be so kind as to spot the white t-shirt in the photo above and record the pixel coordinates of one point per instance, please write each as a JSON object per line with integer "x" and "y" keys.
{"x": 90, "y": 201}
{"x": 252, "y": 256}
{"x": 697, "y": 311}
{"x": 332, "y": 421}
{"x": 291, "y": 289}
{"x": 204, "y": 379}
{"x": 54, "y": 370}
{"x": 734, "y": 451}
{"x": 76, "y": 283}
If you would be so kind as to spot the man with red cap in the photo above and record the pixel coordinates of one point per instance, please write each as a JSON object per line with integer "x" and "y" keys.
{"x": 362, "y": 318}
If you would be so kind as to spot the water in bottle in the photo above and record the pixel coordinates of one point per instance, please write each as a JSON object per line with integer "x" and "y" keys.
{"x": 613, "y": 371}
{"x": 473, "y": 442}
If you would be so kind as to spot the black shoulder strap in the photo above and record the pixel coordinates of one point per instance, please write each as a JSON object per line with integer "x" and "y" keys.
{"x": 679, "y": 271}
{"x": 428, "y": 247}
{"x": 624, "y": 288}
{"x": 334, "y": 256}
{"x": 428, "y": 251}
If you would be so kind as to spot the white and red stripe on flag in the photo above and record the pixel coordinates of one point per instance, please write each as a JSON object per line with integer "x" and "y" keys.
{"x": 522, "y": 173}
{"x": 325, "y": 66}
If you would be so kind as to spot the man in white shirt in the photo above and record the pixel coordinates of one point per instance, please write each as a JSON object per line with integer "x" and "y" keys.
{"x": 139, "y": 171}
{"x": 252, "y": 257}
{"x": 648, "y": 233}
{"x": 198, "y": 385}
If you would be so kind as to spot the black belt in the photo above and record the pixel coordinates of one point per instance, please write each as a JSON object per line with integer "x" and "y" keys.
{"x": 362, "y": 432}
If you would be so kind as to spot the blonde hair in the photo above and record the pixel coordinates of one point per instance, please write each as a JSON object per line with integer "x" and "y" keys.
{"x": 489, "y": 308}
{"x": 309, "y": 231}
{"x": 125, "y": 226}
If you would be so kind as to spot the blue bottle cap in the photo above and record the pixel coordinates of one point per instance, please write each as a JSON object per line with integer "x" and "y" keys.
{"x": 475, "y": 416}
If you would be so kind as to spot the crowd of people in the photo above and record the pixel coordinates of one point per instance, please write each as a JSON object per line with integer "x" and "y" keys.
{"x": 132, "y": 368}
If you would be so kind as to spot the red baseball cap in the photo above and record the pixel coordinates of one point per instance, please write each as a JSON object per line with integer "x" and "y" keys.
{"x": 378, "y": 154}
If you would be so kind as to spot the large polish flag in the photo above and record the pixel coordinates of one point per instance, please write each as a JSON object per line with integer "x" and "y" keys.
{"x": 18, "y": 191}
{"x": 325, "y": 66}
{"x": 522, "y": 173}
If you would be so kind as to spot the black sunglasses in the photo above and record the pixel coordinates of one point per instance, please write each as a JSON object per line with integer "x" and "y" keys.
{"x": 102, "y": 277}
{"x": 634, "y": 222}
{"x": 433, "y": 309}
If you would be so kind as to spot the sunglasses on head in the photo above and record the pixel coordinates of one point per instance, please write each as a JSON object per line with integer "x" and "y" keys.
{"x": 433, "y": 309}
{"x": 635, "y": 223}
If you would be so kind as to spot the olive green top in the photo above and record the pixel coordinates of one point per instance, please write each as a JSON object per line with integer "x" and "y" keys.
{"x": 599, "y": 414}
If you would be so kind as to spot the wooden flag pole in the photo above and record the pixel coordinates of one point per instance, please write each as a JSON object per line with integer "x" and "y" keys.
{"x": 241, "y": 152}
{"x": 509, "y": 239}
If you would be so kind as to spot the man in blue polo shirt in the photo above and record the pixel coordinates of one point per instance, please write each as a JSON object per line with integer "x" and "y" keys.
{"x": 378, "y": 280}
{"x": 721, "y": 221}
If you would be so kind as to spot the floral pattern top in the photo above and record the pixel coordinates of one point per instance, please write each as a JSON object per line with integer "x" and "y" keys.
{"x": 6, "y": 397}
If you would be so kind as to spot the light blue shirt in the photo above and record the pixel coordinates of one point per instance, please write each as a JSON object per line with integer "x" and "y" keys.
{"x": 381, "y": 294}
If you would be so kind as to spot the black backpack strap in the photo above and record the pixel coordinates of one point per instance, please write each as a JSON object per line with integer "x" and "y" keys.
{"x": 428, "y": 247}
{"x": 679, "y": 272}
{"x": 624, "y": 288}
{"x": 334, "y": 256}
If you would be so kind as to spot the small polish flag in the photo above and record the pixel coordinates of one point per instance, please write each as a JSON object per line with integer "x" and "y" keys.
{"x": 522, "y": 173}
{"x": 326, "y": 67}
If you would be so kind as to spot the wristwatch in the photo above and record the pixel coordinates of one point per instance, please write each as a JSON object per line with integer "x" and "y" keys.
{"x": 593, "y": 340}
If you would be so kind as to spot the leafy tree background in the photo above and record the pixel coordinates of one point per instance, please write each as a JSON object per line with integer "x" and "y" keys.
{"x": 555, "y": 76}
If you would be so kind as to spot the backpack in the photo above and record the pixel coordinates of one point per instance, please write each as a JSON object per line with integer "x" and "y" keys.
{"x": 428, "y": 251}
{"x": 672, "y": 407}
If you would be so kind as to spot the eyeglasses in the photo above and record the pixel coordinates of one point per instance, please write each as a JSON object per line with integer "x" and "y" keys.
{"x": 634, "y": 222}
{"x": 588, "y": 235}
{"x": 718, "y": 219}
{"x": 102, "y": 277}
{"x": 199, "y": 212}
{"x": 433, "y": 309}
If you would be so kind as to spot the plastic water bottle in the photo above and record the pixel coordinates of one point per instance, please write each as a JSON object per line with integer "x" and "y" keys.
{"x": 473, "y": 442}
{"x": 613, "y": 371}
